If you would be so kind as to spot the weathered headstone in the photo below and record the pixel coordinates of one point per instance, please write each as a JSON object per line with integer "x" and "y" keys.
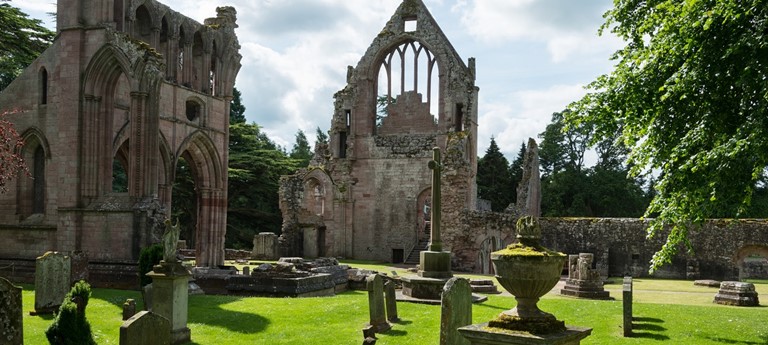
{"x": 738, "y": 294}
{"x": 375, "y": 287}
{"x": 391, "y": 301}
{"x": 264, "y": 246}
{"x": 583, "y": 281}
{"x": 129, "y": 309}
{"x": 627, "y": 304}
{"x": 369, "y": 335}
{"x": 456, "y": 311}
{"x": 52, "y": 281}
{"x": 79, "y": 266}
{"x": 11, "y": 314}
{"x": 246, "y": 271}
{"x": 146, "y": 292}
{"x": 145, "y": 328}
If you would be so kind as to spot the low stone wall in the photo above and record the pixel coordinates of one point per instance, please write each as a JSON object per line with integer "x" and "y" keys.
{"x": 620, "y": 245}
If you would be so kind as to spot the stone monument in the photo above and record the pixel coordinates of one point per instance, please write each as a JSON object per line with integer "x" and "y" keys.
{"x": 528, "y": 271}
{"x": 11, "y": 315}
{"x": 52, "y": 274}
{"x": 170, "y": 291}
{"x": 375, "y": 286}
{"x": 434, "y": 263}
{"x": 738, "y": 294}
{"x": 145, "y": 328}
{"x": 455, "y": 311}
{"x": 583, "y": 281}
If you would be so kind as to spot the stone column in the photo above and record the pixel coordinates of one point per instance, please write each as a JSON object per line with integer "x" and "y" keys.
{"x": 170, "y": 298}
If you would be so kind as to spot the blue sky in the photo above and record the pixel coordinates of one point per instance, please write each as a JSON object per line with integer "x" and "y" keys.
{"x": 533, "y": 56}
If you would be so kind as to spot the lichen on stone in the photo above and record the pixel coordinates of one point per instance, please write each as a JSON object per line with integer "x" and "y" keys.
{"x": 520, "y": 249}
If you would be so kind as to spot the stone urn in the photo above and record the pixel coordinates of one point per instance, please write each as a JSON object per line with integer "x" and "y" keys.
{"x": 528, "y": 271}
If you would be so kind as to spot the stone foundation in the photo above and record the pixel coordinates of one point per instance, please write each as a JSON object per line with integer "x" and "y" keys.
{"x": 737, "y": 294}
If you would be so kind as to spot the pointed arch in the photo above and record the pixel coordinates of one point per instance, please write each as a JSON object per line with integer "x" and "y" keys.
{"x": 205, "y": 159}
{"x": 32, "y": 189}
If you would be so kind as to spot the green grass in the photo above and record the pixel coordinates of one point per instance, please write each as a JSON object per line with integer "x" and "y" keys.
{"x": 668, "y": 311}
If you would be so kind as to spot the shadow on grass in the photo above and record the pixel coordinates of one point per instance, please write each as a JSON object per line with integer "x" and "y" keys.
{"x": 396, "y": 333}
{"x": 648, "y": 327}
{"x": 732, "y": 341}
{"x": 209, "y": 311}
{"x": 647, "y": 335}
{"x": 403, "y": 322}
{"x": 647, "y": 319}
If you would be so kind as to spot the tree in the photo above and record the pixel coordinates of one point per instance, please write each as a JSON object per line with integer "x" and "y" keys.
{"x": 494, "y": 180}
{"x": 516, "y": 171}
{"x": 11, "y": 163}
{"x": 322, "y": 137}
{"x": 687, "y": 96}
{"x": 301, "y": 151}
{"x": 255, "y": 167}
{"x": 22, "y": 39}
{"x": 236, "y": 108}
{"x": 563, "y": 147}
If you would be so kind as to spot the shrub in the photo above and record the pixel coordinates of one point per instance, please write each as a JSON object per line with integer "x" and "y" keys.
{"x": 149, "y": 257}
{"x": 70, "y": 327}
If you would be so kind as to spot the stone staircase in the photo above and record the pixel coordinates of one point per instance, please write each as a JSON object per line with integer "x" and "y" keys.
{"x": 415, "y": 255}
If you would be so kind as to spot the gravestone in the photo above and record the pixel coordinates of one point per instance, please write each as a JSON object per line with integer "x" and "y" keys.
{"x": 264, "y": 246}
{"x": 246, "y": 271}
{"x": 391, "y": 301}
{"x": 79, "y": 266}
{"x": 627, "y": 304}
{"x": 455, "y": 311}
{"x": 52, "y": 274}
{"x": 146, "y": 292}
{"x": 145, "y": 328}
{"x": 129, "y": 309}
{"x": 738, "y": 294}
{"x": 375, "y": 287}
{"x": 11, "y": 315}
{"x": 583, "y": 280}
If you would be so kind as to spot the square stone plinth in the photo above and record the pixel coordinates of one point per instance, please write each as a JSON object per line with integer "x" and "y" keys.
{"x": 435, "y": 265}
{"x": 480, "y": 334}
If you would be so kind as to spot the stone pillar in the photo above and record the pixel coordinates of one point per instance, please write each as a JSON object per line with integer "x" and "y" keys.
{"x": 627, "y": 306}
{"x": 375, "y": 289}
{"x": 170, "y": 298}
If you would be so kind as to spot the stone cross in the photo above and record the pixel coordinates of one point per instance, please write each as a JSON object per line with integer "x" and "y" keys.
{"x": 456, "y": 311}
{"x": 436, "y": 166}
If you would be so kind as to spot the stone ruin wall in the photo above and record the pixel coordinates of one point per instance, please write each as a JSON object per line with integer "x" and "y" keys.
{"x": 619, "y": 244}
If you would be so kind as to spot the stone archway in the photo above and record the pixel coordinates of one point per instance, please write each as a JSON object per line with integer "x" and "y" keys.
{"x": 752, "y": 261}
{"x": 204, "y": 162}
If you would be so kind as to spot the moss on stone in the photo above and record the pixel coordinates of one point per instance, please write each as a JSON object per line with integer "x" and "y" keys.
{"x": 520, "y": 249}
{"x": 538, "y": 325}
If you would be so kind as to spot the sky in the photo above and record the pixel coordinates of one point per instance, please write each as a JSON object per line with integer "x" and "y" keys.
{"x": 534, "y": 57}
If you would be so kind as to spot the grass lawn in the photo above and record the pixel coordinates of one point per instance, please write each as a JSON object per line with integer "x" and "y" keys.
{"x": 670, "y": 311}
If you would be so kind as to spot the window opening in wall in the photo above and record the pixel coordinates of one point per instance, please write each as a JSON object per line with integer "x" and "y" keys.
{"x": 43, "y": 86}
{"x": 118, "y": 15}
{"x": 342, "y": 144}
{"x": 348, "y": 117}
{"x": 119, "y": 177}
{"x": 212, "y": 72}
{"x": 38, "y": 197}
{"x": 143, "y": 24}
{"x": 410, "y": 24}
{"x": 193, "y": 110}
{"x": 459, "y": 117}
{"x": 408, "y": 67}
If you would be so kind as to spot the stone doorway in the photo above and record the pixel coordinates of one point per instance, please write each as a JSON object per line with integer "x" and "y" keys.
{"x": 752, "y": 262}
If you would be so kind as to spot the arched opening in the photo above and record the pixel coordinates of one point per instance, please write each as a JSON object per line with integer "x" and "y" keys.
{"x": 162, "y": 46}
{"x": 120, "y": 169}
{"x": 43, "y": 86}
{"x": 180, "y": 74}
{"x": 185, "y": 200}
{"x": 38, "y": 175}
{"x": 197, "y": 62}
{"x": 193, "y": 110}
{"x": 118, "y": 14}
{"x": 407, "y": 75}
{"x": 143, "y": 26}
{"x": 752, "y": 261}
{"x": 212, "y": 71}
{"x": 31, "y": 197}
{"x": 315, "y": 197}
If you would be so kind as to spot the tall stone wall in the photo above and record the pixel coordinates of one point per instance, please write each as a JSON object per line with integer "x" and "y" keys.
{"x": 620, "y": 245}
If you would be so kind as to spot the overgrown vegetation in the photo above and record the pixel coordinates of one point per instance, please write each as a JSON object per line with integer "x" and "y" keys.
{"x": 70, "y": 326}
{"x": 149, "y": 257}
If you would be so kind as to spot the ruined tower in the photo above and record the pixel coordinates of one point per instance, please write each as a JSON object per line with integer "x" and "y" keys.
{"x": 127, "y": 85}
{"x": 365, "y": 195}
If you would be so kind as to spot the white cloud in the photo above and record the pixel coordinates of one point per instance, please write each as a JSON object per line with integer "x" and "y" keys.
{"x": 522, "y": 115}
